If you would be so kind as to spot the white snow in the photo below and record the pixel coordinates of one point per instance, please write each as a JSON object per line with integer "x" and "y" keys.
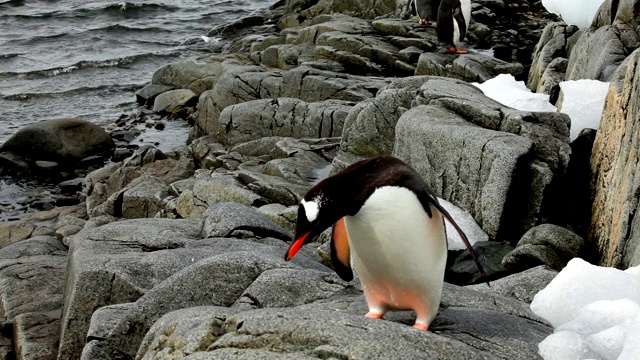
{"x": 506, "y": 90}
{"x": 595, "y": 312}
{"x": 574, "y": 12}
{"x": 466, "y": 222}
{"x": 583, "y": 100}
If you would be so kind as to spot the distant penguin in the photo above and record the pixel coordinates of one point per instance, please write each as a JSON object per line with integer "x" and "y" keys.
{"x": 427, "y": 10}
{"x": 390, "y": 226}
{"x": 453, "y": 23}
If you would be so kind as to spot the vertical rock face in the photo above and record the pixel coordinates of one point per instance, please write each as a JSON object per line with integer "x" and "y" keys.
{"x": 615, "y": 165}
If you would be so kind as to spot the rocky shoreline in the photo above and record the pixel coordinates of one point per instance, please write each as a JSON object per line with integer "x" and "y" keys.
{"x": 179, "y": 254}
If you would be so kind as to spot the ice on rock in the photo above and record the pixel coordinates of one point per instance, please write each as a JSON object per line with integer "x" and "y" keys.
{"x": 607, "y": 343}
{"x": 580, "y": 284}
{"x": 506, "y": 90}
{"x": 601, "y": 315}
{"x": 583, "y": 100}
{"x": 574, "y": 12}
{"x": 564, "y": 345}
{"x": 631, "y": 349}
{"x": 466, "y": 222}
{"x": 595, "y": 312}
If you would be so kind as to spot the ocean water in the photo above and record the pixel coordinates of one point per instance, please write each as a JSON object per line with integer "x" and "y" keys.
{"x": 86, "y": 59}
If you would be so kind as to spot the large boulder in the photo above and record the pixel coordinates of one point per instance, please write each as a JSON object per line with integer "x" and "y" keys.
{"x": 65, "y": 141}
{"x": 372, "y": 128}
{"x": 552, "y": 45}
{"x": 283, "y": 117}
{"x": 614, "y": 165}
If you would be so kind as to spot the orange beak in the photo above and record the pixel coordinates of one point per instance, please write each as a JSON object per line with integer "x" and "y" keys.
{"x": 295, "y": 247}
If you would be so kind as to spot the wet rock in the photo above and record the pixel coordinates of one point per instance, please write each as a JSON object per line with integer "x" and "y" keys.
{"x": 147, "y": 94}
{"x": 174, "y": 100}
{"x": 64, "y": 141}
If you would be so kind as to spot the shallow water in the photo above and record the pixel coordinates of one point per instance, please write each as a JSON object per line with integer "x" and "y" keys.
{"x": 86, "y": 59}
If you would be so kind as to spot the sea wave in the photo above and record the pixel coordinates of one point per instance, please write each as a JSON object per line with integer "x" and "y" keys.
{"x": 123, "y": 8}
{"x": 79, "y": 90}
{"x": 87, "y": 64}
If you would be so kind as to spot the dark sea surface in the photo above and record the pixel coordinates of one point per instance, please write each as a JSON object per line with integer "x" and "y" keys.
{"x": 86, "y": 59}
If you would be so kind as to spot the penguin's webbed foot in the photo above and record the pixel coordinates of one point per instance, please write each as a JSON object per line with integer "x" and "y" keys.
{"x": 421, "y": 326}
{"x": 455, "y": 50}
{"x": 422, "y": 21}
{"x": 374, "y": 315}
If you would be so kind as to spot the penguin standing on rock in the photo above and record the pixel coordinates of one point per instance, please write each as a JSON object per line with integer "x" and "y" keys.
{"x": 453, "y": 22}
{"x": 427, "y": 10}
{"x": 390, "y": 225}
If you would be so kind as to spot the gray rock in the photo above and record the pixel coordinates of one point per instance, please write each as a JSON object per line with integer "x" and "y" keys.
{"x": 463, "y": 150}
{"x": 283, "y": 117}
{"x": 245, "y": 83}
{"x": 470, "y": 67}
{"x": 117, "y": 263}
{"x": 546, "y": 244}
{"x": 258, "y": 147}
{"x": 551, "y": 78}
{"x": 274, "y": 188}
{"x": 223, "y": 219}
{"x": 284, "y": 216}
{"x": 173, "y": 100}
{"x": 62, "y": 140}
{"x": 198, "y": 76}
{"x": 32, "y": 274}
{"x": 143, "y": 197}
{"x": 290, "y": 287}
{"x": 464, "y": 270}
{"x": 614, "y": 228}
{"x": 208, "y": 191}
{"x": 552, "y": 45}
{"x": 36, "y": 336}
{"x": 147, "y": 94}
{"x": 184, "y": 332}
{"x": 302, "y": 168}
{"x": 207, "y": 282}
{"x": 596, "y": 55}
{"x": 521, "y": 286}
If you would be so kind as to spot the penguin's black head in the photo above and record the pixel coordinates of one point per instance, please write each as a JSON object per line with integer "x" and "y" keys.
{"x": 316, "y": 213}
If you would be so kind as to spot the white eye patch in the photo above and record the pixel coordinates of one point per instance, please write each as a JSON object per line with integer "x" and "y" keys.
{"x": 311, "y": 208}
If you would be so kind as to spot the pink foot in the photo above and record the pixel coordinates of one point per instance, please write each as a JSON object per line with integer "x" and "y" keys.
{"x": 423, "y": 327}
{"x": 422, "y": 22}
{"x": 455, "y": 50}
{"x": 374, "y": 315}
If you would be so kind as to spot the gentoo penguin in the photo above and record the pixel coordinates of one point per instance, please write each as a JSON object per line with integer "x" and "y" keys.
{"x": 453, "y": 23}
{"x": 427, "y": 10}
{"x": 390, "y": 226}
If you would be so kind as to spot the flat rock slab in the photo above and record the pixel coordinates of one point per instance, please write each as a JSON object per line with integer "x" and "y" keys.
{"x": 36, "y": 336}
{"x": 336, "y": 328}
{"x": 32, "y": 276}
